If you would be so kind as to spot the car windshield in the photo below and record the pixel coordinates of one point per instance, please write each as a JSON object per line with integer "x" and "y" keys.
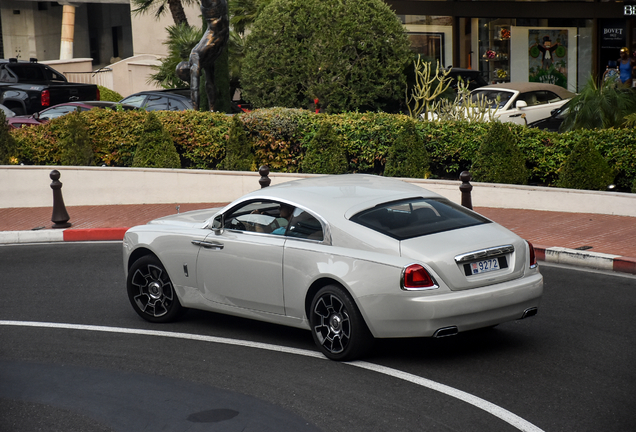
{"x": 417, "y": 217}
{"x": 495, "y": 98}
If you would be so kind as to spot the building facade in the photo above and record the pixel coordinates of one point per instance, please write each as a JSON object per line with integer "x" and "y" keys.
{"x": 562, "y": 42}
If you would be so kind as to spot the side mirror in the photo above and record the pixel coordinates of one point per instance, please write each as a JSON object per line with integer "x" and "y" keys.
{"x": 217, "y": 224}
{"x": 521, "y": 104}
{"x": 36, "y": 115}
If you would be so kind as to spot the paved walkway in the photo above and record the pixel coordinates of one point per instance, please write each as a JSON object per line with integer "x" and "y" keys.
{"x": 600, "y": 241}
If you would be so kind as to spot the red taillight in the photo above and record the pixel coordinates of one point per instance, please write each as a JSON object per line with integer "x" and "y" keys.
{"x": 98, "y": 96}
{"x": 533, "y": 256}
{"x": 416, "y": 277}
{"x": 45, "y": 98}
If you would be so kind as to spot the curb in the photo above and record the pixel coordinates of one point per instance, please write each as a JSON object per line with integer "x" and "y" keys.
{"x": 557, "y": 255}
{"x": 62, "y": 235}
{"x": 595, "y": 260}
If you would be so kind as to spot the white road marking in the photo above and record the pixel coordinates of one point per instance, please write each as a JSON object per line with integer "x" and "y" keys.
{"x": 475, "y": 401}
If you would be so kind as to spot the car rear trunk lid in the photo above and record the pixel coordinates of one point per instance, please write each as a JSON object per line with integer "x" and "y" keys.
{"x": 470, "y": 257}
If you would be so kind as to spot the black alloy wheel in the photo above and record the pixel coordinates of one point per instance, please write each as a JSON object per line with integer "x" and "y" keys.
{"x": 151, "y": 292}
{"x": 337, "y": 326}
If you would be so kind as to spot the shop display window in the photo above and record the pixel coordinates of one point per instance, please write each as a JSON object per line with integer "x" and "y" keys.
{"x": 494, "y": 49}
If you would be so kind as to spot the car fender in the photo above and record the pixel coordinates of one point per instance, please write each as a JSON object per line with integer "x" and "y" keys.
{"x": 364, "y": 275}
{"x": 174, "y": 248}
{"x": 15, "y": 99}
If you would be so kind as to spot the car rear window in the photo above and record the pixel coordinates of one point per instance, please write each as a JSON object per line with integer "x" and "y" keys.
{"x": 417, "y": 217}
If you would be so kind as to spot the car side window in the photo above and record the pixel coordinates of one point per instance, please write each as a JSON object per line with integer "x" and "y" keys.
{"x": 175, "y": 105}
{"x": 304, "y": 225}
{"x": 7, "y": 76}
{"x": 59, "y": 111}
{"x": 549, "y": 97}
{"x": 530, "y": 98}
{"x": 156, "y": 103}
{"x": 268, "y": 217}
{"x": 136, "y": 100}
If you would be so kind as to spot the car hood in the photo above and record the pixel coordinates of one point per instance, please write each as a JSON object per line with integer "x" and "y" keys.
{"x": 191, "y": 219}
{"x": 439, "y": 251}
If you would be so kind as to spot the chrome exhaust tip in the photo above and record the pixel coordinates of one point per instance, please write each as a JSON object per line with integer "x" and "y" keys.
{"x": 446, "y": 331}
{"x": 529, "y": 312}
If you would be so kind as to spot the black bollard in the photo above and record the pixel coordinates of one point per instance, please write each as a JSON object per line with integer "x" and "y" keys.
{"x": 465, "y": 189}
{"x": 264, "y": 180}
{"x": 60, "y": 216}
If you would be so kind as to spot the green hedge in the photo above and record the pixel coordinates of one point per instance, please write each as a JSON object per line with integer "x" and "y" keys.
{"x": 280, "y": 137}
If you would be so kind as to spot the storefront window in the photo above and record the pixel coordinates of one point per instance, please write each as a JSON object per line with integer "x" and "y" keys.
{"x": 533, "y": 50}
{"x": 431, "y": 37}
{"x": 556, "y": 51}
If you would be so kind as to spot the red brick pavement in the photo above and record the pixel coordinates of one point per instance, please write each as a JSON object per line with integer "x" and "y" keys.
{"x": 607, "y": 234}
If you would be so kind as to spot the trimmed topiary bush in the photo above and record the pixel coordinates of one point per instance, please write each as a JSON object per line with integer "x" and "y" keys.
{"x": 155, "y": 149}
{"x": 8, "y": 146}
{"x": 75, "y": 145}
{"x": 585, "y": 168}
{"x": 407, "y": 156}
{"x": 325, "y": 153}
{"x": 499, "y": 159}
{"x": 239, "y": 155}
{"x": 107, "y": 94}
{"x": 351, "y": 55}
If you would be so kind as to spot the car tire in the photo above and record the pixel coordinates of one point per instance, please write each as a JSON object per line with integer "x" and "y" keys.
{"x": 151, "y": 292}
{"x": 337, "y": 326}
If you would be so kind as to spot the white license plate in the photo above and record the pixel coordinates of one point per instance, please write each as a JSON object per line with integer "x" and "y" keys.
{"x": 484, "y": 266}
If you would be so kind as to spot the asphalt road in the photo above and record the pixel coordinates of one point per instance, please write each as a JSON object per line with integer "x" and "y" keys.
{"x": 570, "y": 368}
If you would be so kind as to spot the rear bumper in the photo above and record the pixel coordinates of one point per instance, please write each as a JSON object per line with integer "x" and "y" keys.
{"x": 411, "y": 314}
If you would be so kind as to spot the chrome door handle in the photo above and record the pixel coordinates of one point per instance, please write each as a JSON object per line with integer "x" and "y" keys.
{"x": 208, "y": 245}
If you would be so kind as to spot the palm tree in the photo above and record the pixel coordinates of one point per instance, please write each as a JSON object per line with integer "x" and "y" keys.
{"x": 181, "y": 39}
{"x": 243, "y": 13}
{"x": 601, "y": 106}
{"x": 159, "y": 8}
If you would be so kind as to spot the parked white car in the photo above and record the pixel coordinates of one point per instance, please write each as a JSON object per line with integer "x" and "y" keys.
{"x": 515, "y": 101}
{"x": 350, "y": 258}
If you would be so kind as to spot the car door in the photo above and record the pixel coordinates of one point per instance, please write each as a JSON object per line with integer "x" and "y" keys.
{"x": 539, "y": 106}
{"x": 157, "y": 103}
{"x": 240, "y": 263}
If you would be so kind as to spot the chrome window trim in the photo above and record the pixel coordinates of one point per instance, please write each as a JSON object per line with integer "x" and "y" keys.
{"x": 484, "y": 253}
{"x": 326, "y": 228}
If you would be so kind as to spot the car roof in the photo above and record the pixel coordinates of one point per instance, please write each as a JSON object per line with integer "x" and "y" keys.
{"x": 342, "y": 195}
{"x": 184, "y": 92}
{"x": 529, "y": 86}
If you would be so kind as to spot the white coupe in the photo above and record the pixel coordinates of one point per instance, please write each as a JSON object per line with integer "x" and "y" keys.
{"x": 523, "y": 102}
{"x": 350, "y": 258}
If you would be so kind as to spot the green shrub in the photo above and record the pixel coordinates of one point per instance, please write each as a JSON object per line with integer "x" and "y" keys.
{"x": 200, "y": 137}
{"x": 107, "y": 94}
{"x": 325, "y": 153}
{"x": 585, "y": 168}
{"x": 280, "y": 136}
{"x": 407, "y": 156}
{"x": 75, "y": 145}
{"x": 499, "y": 159}
{"x": 155, "y": 149}
{"x": 8, "y": 146}
{"x": 239, "y": 155}
{"x": 351, "y": 55}
{"x": 277, "y": 135}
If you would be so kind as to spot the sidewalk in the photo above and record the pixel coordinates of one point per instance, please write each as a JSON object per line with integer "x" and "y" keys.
{"x": 590, "y": 240}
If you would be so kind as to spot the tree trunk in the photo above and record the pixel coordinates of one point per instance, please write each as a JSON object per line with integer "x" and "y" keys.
{"x": 177, "y": 12}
